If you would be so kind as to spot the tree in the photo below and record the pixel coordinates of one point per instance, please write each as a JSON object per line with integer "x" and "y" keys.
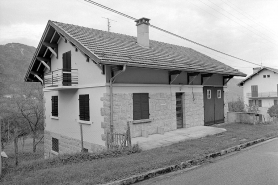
{"x": 236, "y": 106}
{"x": 273, "y": 111}
{"x": 29, "y": 106}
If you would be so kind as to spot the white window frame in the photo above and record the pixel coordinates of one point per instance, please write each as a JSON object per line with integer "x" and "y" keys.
{"x": 218, "y": 94}
{"x": 208, "y": 93}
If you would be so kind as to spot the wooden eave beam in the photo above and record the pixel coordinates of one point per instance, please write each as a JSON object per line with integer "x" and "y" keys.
{"x": 55, "y": 53}
{"x": 50, "y": 45}
{"x": 171, "y": 73}
{"x": 208, "y": 76}
{"x": 45, "y": 64}
{"x": 44, "y": 59}
{"x": 226, "y": 79}
{"x": 194, "y": 77}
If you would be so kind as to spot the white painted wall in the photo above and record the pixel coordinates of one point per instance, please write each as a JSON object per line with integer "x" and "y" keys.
{"x": 265, "y": 85}
{"x": 68, "y": 113}
{"x": 88, "y": 72}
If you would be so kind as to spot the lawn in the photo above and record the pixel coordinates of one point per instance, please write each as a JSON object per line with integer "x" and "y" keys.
{"x": 109, "y": 169}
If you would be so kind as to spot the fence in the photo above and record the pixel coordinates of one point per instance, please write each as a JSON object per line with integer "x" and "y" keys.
{"x": 118, "y": 140}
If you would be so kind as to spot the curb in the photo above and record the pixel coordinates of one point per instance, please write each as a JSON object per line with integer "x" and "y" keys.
{"x": 186, "y": 164}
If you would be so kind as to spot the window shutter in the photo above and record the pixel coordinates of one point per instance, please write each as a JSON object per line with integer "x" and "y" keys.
{"x": 250, "y": 102}
{"x": 140, "y": 106}
{"x": 54, "y": 100}
{"x": 275, "y": 102}
{"x": 84, "y": 107}
{"x": 260, "y": 103}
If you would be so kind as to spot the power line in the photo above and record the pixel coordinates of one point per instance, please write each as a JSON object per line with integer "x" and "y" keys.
{"x": 234, "y": 20}
{"x": 173, "y": 34}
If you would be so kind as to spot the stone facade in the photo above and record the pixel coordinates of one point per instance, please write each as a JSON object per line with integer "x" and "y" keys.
{"x": 162, "y": 109}
{"x": 193, "y": 109}
{"x": 66, "y": 145}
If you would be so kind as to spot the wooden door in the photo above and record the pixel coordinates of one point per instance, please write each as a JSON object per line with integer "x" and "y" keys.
{"x": 66, "y": 69}
{"x": 179, "y": 110}
{"x": 209, "y": 105}
{"x": 218, "y": 105}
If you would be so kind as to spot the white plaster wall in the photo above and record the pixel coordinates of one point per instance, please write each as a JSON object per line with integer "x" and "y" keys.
{"x": 68, "y": 113}
{"x": 264, "y": 84}
{"x": 88, "y": 72}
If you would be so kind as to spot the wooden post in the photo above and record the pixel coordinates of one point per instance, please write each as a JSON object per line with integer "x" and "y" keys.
{"x": 81, "y": 132}
{"x": 128, "y": 136}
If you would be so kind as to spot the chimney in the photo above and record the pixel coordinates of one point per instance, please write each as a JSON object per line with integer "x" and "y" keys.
{"x": 256, "y": 69}
{"x": 143, "y": 32}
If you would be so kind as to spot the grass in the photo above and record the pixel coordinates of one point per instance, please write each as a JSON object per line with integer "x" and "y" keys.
{"x": 109, "y": 169}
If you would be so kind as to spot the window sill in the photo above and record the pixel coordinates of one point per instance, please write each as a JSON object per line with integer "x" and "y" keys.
{"x": 54, "y": 117}
{"x": 55, "y": 153}
{"x": 141, "y": 121}
{"x": 85, "y": 122}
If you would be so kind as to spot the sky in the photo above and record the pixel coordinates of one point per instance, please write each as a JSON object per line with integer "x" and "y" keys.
{"x": 246, "y": 29}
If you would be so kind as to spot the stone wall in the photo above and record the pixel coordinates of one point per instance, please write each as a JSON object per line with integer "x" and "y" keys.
{"x": 66, "y": 145}
{"x": 193, "y": 109}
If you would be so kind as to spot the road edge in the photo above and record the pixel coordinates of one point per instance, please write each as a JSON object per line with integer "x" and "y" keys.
{"x": 187, "y": 164}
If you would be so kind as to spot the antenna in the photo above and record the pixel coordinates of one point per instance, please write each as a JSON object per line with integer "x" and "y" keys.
{"x": 108, "y": 22}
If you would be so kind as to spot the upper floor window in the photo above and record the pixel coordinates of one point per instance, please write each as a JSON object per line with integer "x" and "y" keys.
{"x": 254, "y": 91}
{"x": 264, "y": 76}
{"x": 268, "y": 76}
{"x": 54, "y": 100}
{"x": 84, "y": 107}
{"x": 140, "y": 106}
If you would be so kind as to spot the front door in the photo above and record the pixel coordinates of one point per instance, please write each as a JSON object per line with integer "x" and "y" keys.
{"x": 179, "y": 110}
{"x": 66, "y": 69}
{"x": 213, "y": 105}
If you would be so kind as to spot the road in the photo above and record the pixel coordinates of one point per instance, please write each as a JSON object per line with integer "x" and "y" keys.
{"x": 257, "y": 165}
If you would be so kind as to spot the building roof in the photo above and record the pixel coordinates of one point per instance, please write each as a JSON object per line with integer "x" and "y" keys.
{"x": 262, "y": 68}
{"x": 118, "y": 49}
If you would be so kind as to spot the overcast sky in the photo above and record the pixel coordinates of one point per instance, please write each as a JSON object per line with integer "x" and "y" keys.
{"x": 244, "y": 28}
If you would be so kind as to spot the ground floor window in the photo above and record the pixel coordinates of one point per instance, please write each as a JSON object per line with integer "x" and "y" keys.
{"x": 255, "y": 103}
{"x": 275, "y": 102}
{"x": 140, "y": 106}
{"x": 55, "y": 144}
{"x": 84, "y": 107}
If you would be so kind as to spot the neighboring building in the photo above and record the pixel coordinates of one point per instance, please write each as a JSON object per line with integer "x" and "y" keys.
{"x": 261, "y": 89}
{"x": 157, "y": 87}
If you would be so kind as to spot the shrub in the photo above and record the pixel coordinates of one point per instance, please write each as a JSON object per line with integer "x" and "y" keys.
{"x": 236, "y": 106}
{"x": 273, "y": 111}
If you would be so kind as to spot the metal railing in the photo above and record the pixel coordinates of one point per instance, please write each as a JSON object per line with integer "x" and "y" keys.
{"x": 263, "y": 94}
{"x": 61, "y": 77}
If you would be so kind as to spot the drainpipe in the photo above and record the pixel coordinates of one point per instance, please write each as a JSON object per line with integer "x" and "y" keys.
{"x": 111, "y": 81}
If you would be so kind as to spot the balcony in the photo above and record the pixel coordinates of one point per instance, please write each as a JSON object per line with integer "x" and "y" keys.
{"x": 61, "y": 79}
{"x": 263, "y": 95}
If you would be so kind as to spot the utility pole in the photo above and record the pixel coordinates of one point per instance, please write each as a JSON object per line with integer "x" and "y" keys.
{"x": 108, "y": 23}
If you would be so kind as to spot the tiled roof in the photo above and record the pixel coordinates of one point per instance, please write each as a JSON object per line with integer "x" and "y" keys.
{"x": 118, "y": 49}
{"x": 250, "y": 77}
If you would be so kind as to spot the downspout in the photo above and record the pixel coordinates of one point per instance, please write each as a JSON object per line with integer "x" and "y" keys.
{"x": 111, "y": 81}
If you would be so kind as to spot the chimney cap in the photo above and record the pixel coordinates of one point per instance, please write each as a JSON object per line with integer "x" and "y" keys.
{"x": 142, "y": 20}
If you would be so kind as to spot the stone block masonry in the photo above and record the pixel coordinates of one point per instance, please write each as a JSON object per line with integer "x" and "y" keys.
{"x": 66, "y": 145}
{"x": 193, "y": 109}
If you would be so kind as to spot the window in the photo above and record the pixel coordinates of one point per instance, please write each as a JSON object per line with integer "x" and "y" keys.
{"x": 254, "y": 91}
{"x": 264, "y": 76}
{"x": 54, "y": 100}
{"x": 250, "y": 102}
{"x": 84, "y": 107}
{"x": 218, "y": 93}
{"x": 140, "y": 106}
{"x": 55, "y": 144}
{"x": 208, "y": 94}
{"x": 268, "y": 76}
{"x": 275, "y": 102}
{"x": 259, "y": 103}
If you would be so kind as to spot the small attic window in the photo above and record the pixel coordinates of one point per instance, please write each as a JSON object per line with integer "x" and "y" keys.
{"x": 268, "y": 76}
{"x": 264, "y": 76}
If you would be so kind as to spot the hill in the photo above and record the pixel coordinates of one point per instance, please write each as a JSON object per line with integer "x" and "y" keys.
{"x": 14, "y": 62}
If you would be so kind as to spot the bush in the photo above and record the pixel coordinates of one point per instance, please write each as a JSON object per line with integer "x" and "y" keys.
{"x": 236, "y": 106}
{"x": 273, "y": 111}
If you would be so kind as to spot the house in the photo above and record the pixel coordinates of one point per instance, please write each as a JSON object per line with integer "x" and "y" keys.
{"x": 155, "y": 87}
{"x": 261, "y": 89}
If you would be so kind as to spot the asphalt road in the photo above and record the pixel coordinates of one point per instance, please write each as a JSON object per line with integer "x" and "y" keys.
{"x": 257, "y": 165}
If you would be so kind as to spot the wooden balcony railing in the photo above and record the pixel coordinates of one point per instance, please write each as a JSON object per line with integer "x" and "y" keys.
{"x": 263, "y": 95}
{"x": 61, "y": 77}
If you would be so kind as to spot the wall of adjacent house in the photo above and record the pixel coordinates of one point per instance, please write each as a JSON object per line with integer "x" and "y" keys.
{"x": 67, "y": 125}
{"x": 265, "y": 85}
{"x": 162, "y": 108}
{"x": 88, "y": 72}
